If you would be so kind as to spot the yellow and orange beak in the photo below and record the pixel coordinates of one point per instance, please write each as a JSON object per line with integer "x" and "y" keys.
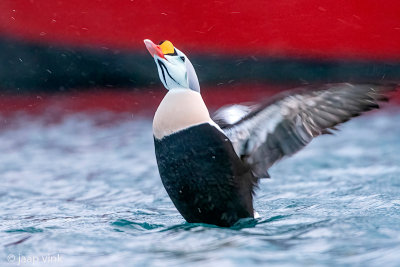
{"x": 165, "y": 48}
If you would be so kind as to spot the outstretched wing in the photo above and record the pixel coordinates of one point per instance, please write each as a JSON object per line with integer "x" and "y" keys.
{"x": 288, "y": 122}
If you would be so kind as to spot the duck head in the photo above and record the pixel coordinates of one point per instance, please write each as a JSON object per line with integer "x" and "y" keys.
{"x": 174, "y": 68}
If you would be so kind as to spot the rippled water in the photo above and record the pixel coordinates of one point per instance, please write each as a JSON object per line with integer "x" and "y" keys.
{"x": 85, "y": 189}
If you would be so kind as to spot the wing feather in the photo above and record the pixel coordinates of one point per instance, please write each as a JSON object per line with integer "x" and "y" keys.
{"x": 264, "y": 133}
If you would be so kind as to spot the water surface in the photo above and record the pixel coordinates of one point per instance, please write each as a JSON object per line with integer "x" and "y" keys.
{"x": 84, "y": 189}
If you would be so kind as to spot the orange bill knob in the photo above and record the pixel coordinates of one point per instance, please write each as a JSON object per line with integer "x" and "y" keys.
{"x": 167, "y": 48}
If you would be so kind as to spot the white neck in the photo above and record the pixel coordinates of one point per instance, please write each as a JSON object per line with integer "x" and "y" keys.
{"x": 180, "y": 109}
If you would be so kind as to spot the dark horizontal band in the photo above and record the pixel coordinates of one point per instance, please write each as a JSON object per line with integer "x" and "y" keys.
{"x": 45, "y": 67}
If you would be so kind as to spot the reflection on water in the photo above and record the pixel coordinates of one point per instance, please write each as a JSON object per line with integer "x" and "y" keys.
{"x": 85, "y": 189}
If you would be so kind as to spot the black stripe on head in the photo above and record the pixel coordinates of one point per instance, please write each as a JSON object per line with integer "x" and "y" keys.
{"x": 172, "y": 54}
{"x": 163, "y": 67}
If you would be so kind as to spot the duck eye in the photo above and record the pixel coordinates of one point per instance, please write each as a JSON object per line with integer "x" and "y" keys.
{"x": 183, "y": 59}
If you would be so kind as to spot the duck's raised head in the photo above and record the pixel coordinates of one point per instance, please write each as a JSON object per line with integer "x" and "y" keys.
{"x": 174, "y": 68}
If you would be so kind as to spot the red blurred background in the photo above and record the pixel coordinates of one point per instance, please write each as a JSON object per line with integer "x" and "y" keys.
{"x": 257, "y": 46}
{"x": 337, "y": 28}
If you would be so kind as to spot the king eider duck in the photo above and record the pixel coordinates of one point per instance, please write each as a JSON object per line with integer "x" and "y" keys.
{"x": 210, "y": 166}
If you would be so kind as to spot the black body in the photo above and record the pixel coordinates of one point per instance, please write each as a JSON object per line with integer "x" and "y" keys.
{"x": 205, "y": 179}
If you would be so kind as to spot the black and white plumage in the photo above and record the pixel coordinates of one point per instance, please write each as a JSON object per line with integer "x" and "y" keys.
{"x": 210, "y": 166}
{"x": 283, "y": 125}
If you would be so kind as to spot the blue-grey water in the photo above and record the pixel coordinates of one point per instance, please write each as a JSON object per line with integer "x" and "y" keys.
{"x": 84, "y": 190}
